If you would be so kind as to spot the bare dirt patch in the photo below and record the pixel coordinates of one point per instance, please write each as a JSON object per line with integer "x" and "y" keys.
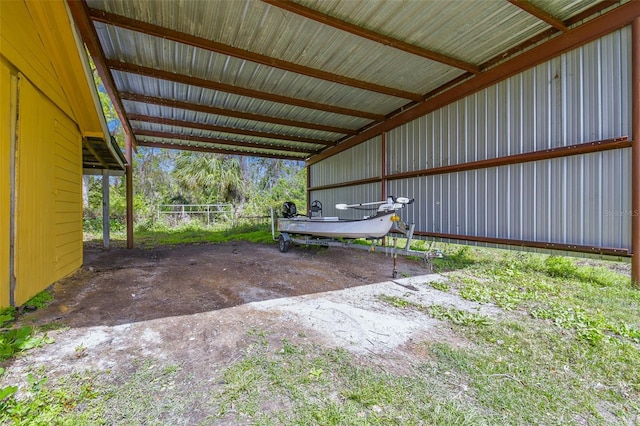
{"x": 200, "y": 307}
{"x": 120, "y": 286}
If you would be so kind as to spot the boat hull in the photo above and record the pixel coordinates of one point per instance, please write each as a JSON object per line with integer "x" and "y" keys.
{"x": 374, "y": 227}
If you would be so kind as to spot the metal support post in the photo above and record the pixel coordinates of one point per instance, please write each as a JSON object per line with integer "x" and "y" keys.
{"x": 106, "y": 224}
{"x": 635, "y": 153}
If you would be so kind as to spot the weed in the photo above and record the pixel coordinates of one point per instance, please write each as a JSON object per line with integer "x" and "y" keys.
{"x": 438, "y": 285}
{"x": 560, "y": 267}
{"x": 16, "y": 340}
{"x": 44, "y": 403}
{"x": 40, "y": 300}
{"x": 7, "y": 315}
{"x": 458, "y": 260}
{"x": 442, "y": 313}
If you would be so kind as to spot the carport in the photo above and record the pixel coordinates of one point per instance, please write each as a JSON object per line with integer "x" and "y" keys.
{"x": 510, "y": 122}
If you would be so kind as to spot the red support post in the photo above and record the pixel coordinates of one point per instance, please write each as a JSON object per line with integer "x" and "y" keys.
{"x": 129, "y": 183}
{"x": 383, "y": 170}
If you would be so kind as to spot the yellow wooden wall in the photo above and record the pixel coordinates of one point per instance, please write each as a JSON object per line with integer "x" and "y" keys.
{"x": 48, "y": 241}
{"x": 48, "y": 157}
{"x": 5, "y": 174}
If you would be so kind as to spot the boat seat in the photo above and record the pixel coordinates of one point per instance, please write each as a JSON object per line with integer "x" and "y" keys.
{"x": 315, "y": 210}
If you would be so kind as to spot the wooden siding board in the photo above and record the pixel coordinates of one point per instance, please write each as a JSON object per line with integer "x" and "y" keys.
{"x": 34, "y": 244}
{"x": 48, "y": 246}
{"x": 5, "y": 181}
{"x": 21, "y": 45}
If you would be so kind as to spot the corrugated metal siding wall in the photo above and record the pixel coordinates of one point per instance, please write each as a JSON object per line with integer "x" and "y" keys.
{"x": 360, "y": 162}
{"x": 579, "y": 97}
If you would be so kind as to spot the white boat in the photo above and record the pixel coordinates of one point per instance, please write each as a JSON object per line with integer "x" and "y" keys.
{"x": 376, "y": 226}
{"x": 333, "y": 227}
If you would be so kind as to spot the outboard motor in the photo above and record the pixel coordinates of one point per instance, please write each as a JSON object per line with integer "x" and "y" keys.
{"x": 289, "y": 209}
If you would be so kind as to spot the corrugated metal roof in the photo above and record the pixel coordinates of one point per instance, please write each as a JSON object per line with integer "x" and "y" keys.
{"x": 305, "y": 69}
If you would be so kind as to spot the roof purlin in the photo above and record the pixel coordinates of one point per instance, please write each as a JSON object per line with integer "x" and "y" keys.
{"x": 242, "y": 91}
{"x": 371, "y": 35}
{"x": 169, "y": 34}
{"x": 539, "y": 13}
{"x": 223, "y": 129}
{"x": 215, "y": 150}
{"x": 194, "y": 138}
{"x": 231, "y": 113}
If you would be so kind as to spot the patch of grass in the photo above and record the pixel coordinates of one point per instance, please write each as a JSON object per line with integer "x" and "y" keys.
{"x": 440, "y": 285}
{"x": 42, "y": 403}
{"x": 461, "y": 258}
{"x": 40, "y": 300}
{"x": 453, "y": 315}
{"x": 315, "y": 386}
{"x": 260, "y": 233}
{"x": 535, "y": 375}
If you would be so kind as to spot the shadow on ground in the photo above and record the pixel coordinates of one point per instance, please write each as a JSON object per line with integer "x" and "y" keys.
{"x": 120, "y": 286}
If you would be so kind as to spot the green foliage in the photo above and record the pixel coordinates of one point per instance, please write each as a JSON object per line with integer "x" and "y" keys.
{"x": 460, "y": 259}
{"x": 16, "y": 340}
{"x": 591, "y": 327}
{"x": 455, "y": 316}
{"x": 7, "y": 315}
{"x": 438, "y": 285}
{"x": 43, "y": 404}
{"x": 560, "y": 267}
{"x": 40, "y": 300}
{"x": 197, "y": 233}
{"x": 252, "y": 186}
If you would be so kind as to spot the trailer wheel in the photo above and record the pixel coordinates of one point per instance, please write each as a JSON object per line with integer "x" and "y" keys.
{"x": 283, "y": 244}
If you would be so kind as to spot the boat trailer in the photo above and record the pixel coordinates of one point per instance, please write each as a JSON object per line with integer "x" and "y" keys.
{"x": 399, "y": 229}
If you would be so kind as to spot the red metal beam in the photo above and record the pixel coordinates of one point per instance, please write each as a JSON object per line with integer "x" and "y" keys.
{"x": 571, "y": 39}
{"x": 202, "y": 43}
{"x": 547, "y": 154}
{"x": 129, "y": 188}
{"x": 183, "y": 137}
{"x": 215, "y": 151}
{"x": 371, "y": 35}
{"x": 383, "y": 165}
{"x": 539, "y": 13}
{"x": 242, "y": 91}
{"x": 345, "y": 184}
{"x": 635, "y": 152}
{"x": 608, "y": 251}
{"x": 135, "y": 97}
{"x": 224, "y": 129}
{"x": 80, "y": 13}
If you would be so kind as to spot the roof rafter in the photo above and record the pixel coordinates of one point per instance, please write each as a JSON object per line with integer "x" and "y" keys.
{"x": 540, "y": 13}
{"x": 229, "y": 142}
{"x": 135, "y": 97}
{"x": 79, "y": 11}
{"x": 215, "y": 150}
{"x": 224, "y": 129}
{"x": 166, "y": 33}
{"x": 309, "y": 13}
{"x": 228, "y": 88}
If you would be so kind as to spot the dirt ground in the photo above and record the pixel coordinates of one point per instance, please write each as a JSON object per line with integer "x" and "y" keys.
{"x": 120, "y": 286}
{"x": 197, "y": 306}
